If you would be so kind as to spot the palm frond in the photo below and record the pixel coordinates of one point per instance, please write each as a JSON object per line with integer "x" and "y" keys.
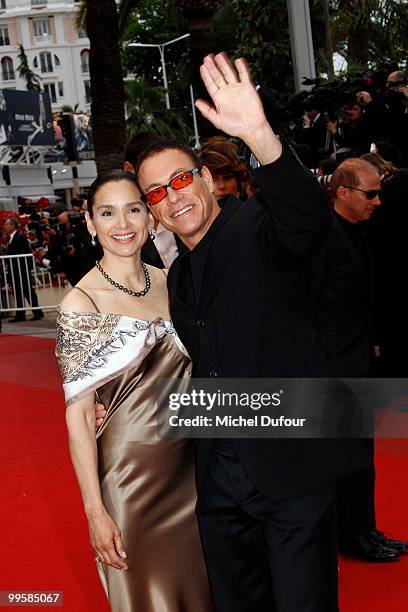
{"x": 80, "y": 18}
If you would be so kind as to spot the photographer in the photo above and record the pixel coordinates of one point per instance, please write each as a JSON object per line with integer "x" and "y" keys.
{"x": 397, "y": 110}
{"x": 315, "y": 132}
{"x": 66, "y": 242}
{"x": 354, "y": 132}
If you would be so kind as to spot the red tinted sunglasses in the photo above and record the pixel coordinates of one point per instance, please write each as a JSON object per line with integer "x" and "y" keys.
{"x": 177, "y": 182}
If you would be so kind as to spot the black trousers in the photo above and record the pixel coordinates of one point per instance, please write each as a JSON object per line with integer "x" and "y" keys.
{"x": 22, "y": 289}
{"x": 356, "y": 501}
{"x": 266, "y": 554}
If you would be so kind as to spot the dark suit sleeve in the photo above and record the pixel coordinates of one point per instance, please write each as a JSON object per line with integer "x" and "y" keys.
{"x": 22, "y": 245}
{"x": 290, "y": 216}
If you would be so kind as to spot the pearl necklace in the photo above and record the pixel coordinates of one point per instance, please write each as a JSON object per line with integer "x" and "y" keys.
{"x": 125, "y": 289}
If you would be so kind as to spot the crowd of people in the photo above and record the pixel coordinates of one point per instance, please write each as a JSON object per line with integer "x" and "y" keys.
{"x": 266, "y": 280}
{"x": 57, "y": 239}
{"x": 367, "y": 119}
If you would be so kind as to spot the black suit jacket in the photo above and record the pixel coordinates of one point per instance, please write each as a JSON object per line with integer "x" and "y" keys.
{"x": 240, "y": 302}
{"x": 19, "y": 245}
{"x": 318, "y": 138}
{"x": 343, "y": 303}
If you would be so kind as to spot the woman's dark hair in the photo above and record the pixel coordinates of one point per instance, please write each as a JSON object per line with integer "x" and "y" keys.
{"x": 221, "y": 156}
{"x": 114, "y": 176}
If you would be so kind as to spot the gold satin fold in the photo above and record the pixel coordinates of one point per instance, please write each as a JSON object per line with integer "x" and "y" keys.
{"x": 148, "y": 487}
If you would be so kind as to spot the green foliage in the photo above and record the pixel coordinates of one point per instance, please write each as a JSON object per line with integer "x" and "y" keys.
{"x": 67, "y": 108}
{"x": 33, "y": 81}
{"x": 80, "y": 19}
{"x": 155, "y": 22}
{"x": 151, "y": 22}
{"x": 263, "y": 39}
{"x": 385, "y": 21}
{"x": 146, "y": 111}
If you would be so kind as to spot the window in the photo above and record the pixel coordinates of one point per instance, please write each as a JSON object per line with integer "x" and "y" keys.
{"x": 38, "y": 2}
{"x": 57, "y": 60}
{"x": 35, "y": 62}
{"x": 46, "y": 61}
{"x": 60, "y": 89}
{"x": 81, "y": 33}
{"x": 4, "y": 36}
{"x": 87, "y": 85}
{"x": 85, "y": 61}
{"x": 50, "y": 89}
{"x": 42, "y": 28}
{"x": 7, "y": 69}
{"x": 3, "y": 4}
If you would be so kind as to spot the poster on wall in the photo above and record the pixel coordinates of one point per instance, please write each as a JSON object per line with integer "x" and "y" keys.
{"x": 83, "y": 136}
{"x": 25, "y": 118}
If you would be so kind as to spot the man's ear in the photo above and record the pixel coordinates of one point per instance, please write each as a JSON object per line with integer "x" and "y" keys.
{"x": 128, "y": 167}
{"x": 341, "y": 192}
{"x": 206, "y": 175}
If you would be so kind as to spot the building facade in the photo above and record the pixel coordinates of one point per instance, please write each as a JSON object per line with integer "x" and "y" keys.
{"x": 57, "y": 50}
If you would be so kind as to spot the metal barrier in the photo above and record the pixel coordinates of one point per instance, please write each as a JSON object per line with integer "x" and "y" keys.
{"x": 24, "y": 286}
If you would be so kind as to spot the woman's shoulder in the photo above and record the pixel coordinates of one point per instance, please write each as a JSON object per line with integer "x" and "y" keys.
{"x": 78, "y": 300}
{"x": 81, "y": 298}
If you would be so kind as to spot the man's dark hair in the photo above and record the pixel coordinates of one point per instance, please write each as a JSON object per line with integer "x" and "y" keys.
{"x": 137, "y": 144}
{"x": 15, "y": 222}
{"x": 389, "y": 152}
{"x": 161, "y": 146}
{"x": 114, "y": 176}
{"x": 328, "y": 166}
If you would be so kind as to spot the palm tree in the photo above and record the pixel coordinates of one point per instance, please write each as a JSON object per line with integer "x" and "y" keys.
{"x": 107, "y": 91}
{"x": 146, "y": 112}
{"x": 32, "y": 80}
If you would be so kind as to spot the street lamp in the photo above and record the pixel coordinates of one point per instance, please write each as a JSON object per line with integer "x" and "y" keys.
{"x": 163, "y": 63}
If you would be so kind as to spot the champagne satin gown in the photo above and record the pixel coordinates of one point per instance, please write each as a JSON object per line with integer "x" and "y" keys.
{"x": 147, "y": 483}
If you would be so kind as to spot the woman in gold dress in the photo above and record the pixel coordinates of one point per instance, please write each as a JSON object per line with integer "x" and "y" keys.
{"x": 114, "y": 337}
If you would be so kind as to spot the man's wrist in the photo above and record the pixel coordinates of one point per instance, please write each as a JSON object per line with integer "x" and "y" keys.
{"x": 264, "y": 144}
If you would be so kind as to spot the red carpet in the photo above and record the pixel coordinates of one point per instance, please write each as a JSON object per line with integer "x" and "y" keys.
{"x": 44, "y": 543}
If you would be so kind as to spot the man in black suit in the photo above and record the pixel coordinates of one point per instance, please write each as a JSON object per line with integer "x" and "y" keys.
{"x": 19, "y": 271}
{"x": 240, "y": 303}
{"x": 344, "y": 287}
{"x": 315, "y": 133}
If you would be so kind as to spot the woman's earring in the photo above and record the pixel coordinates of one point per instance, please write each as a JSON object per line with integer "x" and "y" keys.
{"x": 152, "y": 236}
{"x": 93, "y": 240}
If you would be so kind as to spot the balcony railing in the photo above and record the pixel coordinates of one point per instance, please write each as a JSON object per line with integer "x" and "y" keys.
{"x": 39, "y": 2}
